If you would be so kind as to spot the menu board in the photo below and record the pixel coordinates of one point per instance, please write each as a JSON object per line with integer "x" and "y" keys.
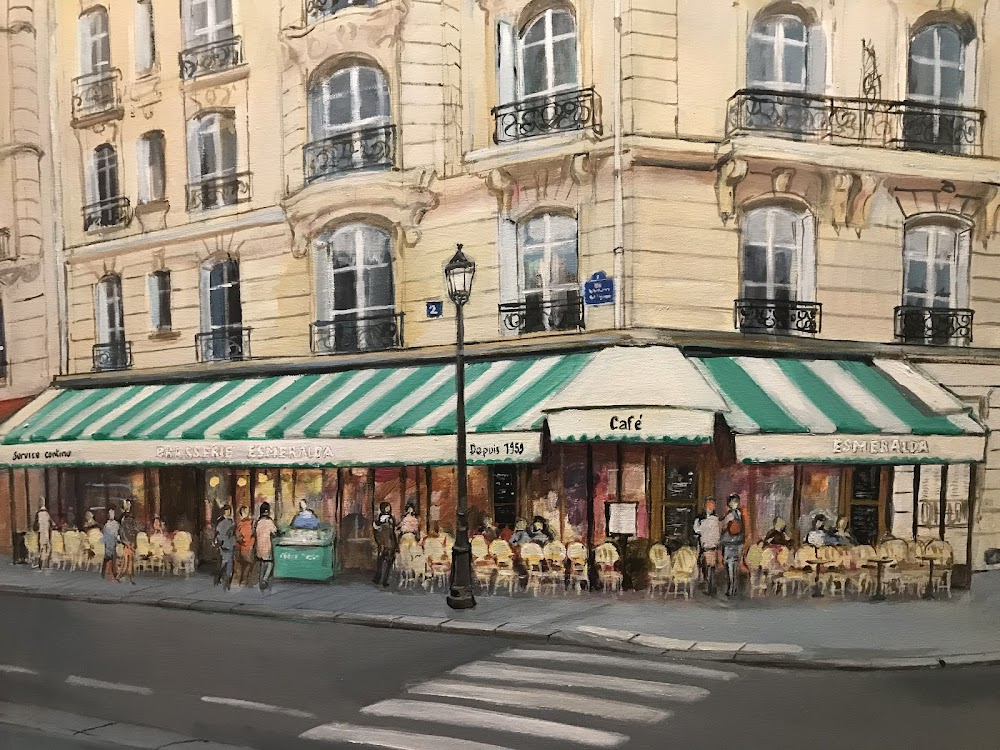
{"x": 623, "y": 518}
{"x": 505, "y": 495}
{"x": 864, "y": 523}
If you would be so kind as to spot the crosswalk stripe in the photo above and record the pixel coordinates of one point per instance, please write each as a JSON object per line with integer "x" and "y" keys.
{"x": 648, "y": 665}
{"x": 542, "y": 699}
{"x": 492, "y": 670}
{"x": 447, "y": 713}
{"x": 390, "y": 738}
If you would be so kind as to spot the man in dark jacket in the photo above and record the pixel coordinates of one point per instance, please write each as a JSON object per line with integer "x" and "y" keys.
{"x": 733, "y": 536}
{"x": 225, "y": 541}
{"x": 127, "y": 532}
{"x": 386, "y": 541}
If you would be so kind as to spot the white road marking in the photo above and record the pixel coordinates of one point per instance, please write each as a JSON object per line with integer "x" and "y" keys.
{"x": 491, "y": 670}
{"x": 389, "y": 738}
{"x": 102, "y": 685}
{"x": 626, "y": 662}
{"x": 542, "y": 699}
{"x": 255, "y": 706}
{"x": 446, "y": 713}
{"x": 14, "y": 669}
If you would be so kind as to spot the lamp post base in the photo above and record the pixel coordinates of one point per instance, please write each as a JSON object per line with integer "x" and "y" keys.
{"x": 461, "y": 598}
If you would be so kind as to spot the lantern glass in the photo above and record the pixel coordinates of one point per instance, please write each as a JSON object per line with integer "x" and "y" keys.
{"x": 459, "y": 274}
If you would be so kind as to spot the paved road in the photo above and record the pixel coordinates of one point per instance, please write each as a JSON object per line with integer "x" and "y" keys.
{"x": 200, "y": 675}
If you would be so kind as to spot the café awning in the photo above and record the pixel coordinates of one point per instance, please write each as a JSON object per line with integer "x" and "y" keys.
{"x": 638, "y": 395}
{"x": 378, "y": 416}
{"x": 841, "y": 411}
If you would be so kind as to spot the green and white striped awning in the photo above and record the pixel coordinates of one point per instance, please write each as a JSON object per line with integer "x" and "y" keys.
{"x": 884, "y": 411}
{"x": 382, "y": 416}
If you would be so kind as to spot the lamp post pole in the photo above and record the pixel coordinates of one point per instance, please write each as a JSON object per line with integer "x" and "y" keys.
{"x": 460, "y": 594}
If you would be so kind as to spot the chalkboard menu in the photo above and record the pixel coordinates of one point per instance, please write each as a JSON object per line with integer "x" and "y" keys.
{"x": 865, "y": 482}
{"x": 681, "y": 483}
{"x": 505, "y": 495}
{"x": 864, "y": 523}
{"x": 678, "y": 525}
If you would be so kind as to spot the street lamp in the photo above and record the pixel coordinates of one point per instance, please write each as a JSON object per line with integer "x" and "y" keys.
{"x": 459, "y": 274}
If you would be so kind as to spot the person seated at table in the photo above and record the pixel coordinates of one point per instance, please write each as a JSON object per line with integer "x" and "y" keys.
{"x": 777, "y": 537}
{"x": 305, "y": 518}
{"x": 89, "y": 522}
{"x": 520, "y": 535}
{"x": 540, "y": 532}
{"x": 157, "y": 527}
{"x": 817, "y": 537}
{"x": 841, "y": 536}
{"x": 410, "y": 522}
{"x": 489, "y": 530}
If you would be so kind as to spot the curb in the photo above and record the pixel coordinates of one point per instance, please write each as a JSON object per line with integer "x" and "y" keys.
{"x": 774, "y": 656}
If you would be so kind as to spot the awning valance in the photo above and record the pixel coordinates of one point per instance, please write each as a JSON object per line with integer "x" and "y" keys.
{"x": 636, "y": 394}
{"x": 379, "y": 416}
{"x": 843, "y": 411}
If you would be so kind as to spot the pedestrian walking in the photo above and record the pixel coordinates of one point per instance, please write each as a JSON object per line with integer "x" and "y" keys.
{"x": 244, "y": 546}
{"x": 43, "y": 524}
{"x": 127, "y": 532}
{"x": 733, "y": 536}
{"x": 709, "y": 533}
{"x": 225, "y": 542}
{"x": 109, "y": 536}
{"x": 387, "y": 543}
{"x": 264, "y": 533}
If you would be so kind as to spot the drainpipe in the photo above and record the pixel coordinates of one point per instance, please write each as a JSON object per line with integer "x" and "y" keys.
{"x": 619, "y": 207}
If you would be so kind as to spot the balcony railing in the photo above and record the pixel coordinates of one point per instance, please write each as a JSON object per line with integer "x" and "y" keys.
{"x": 534, "y": 314}
{"x": 777, "y": 316}
{"x": 371, "y": 148}
{"x": 107, "y": 214}
{"x": 936, "y": 326}
{"x": 116, "y": 355}
{"x": 317, "y": 9}
{"x": 213, "y": 57}
{"x": 357, "y": 333}
{"x": 96, "y": 94}
{"x": 216, "y": 192}
{"x": 905, "y": 125}
{"x": 223, "y": 344}
{"x": 551, "y": 113}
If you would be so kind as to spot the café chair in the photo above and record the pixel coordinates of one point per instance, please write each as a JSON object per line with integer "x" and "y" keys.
{"x": 579, "y": 566}
{"x": 58, "y": 546}
{"x": 438, "y": 562}
{"x": 944, "y": 561}
{"x": 683, "y": 571}
{"x": 555, "y": 565}
{"x": 505, "y": 573}
{"x": 532, "y": 556}
{"x": 143, "y": 552}
{"x": 660, "y": 572}
{"x": 483, "y": 565}
{"x": 31, "y": 544}
{"x": 183, "y": 556}
{"x": 73, "y": 556}
{"x": 605, "y": 557}
{"x": 754, "y": 559}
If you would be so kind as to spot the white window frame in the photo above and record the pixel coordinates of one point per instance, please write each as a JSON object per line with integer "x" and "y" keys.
{"x": 322, "y": 92}
{"x": 207, "y": 289}
{"x": 108, "y": 293}
{"x": 152, "y": 176}
{"x": 937, "y": 64}
{"x": 217, "y": 28}
{"x": 326, "y": 275}
{"x": 959, "y": 236}
{"x": 145, "y": 37}
{"x": 548, "y": 41}
{"x": 94, "y": 38}
{"x": 102, "y": 168}
{"x": 777, "y": 44}
{"x": 160, "y": 293}
{"x": 208, "y": 128}
{"x": 803, "y": 265}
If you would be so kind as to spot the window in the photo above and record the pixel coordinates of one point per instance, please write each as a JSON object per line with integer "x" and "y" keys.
{"x": 145, "y": 37}
{"x": 778, "y": 54}
{"x": 549, "y": 278}
{"x": 937, "y": 65}
{"x": 355, "y": 294}
{"x": 222, "y": 311}
{"x": 94, "y": 42}
{"x": 208, "y": 21}
{"x": 548, "y": 54}
{"x": 212, "y": 157}
{"x": 106, "y": 207}
{"x": 109, "y": 311}
{"x": 349, "y": 99}
{"x": 933, "y": 256}
{"x": 777, "y": 254}
{"x": 152, "y": 167}
{"x": 159, "y": 301}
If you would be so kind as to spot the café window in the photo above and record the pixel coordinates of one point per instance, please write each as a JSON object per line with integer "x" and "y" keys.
{"x": 680, "y": 499}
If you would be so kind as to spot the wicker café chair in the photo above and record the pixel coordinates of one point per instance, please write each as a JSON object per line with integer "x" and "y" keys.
{"x": 531, "y": 557}
{"x": 754, "y": 560}
{"x": 555, "y": 565}
{"x": 73, "y": 549}
{"x": 797, "y": 573}
{"x": 660, "y": 575}
{"x": 58, "y": 546}
{"x": 684, "y": 569}
{"x": 579, "y": 569}
{"x": 944, "y": 561}
{"x": 483, "y": 565}
{"x": 605, "y": 558}
{"x": 505, "y": 573}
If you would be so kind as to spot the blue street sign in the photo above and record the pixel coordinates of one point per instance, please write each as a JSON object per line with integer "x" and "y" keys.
{"x": 435, "y": 308}
{"x": 599, "y": 290}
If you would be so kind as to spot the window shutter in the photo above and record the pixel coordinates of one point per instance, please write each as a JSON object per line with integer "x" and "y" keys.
{"x": 317, "y": 110}
{"x": 806, "y": 283}
{"x": 84, "y": 43}
{"x": 816, "y": 61}
{"x": 323, "y": 273}
{"x": 101, "y": 313}
{"x": 194, "y": 151}
{"x": 144, "y": 169}
{"x": 964, "y": 249}
{"x": 506, "y": 63}
{"x": 145, "y": 43}
{"x": 227, "y": 143}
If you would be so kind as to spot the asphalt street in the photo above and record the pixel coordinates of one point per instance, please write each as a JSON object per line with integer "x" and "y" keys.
{"x": 264, "y": 683}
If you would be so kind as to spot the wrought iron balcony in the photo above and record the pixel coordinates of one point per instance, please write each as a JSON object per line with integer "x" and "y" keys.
{"x": 357, "y": 333}
{"x": 223, "y": 344}
{"x": 107, "y": 214}
{"x": 96, "y": 94}
{"x": 115, "y": 355}
{"x": 370, "y": 148}
{"x": 317, "y": 9}
{"x": 534, "y": 314}
{"x": 936, "y": 326}
{"x": 213, "y": 57}
{"x": 216, "y": 192}
{"x": 908, "y": 125}
{"x": 777, "y": 316}
{"x": 551, "y": 113}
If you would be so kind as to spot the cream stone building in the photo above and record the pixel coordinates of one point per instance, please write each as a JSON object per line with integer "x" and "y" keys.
{"x": 798, "y": 200}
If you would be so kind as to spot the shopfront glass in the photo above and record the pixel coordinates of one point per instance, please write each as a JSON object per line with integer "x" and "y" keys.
{"x": 820, "y": 497}
{"x": 574, "y": 485}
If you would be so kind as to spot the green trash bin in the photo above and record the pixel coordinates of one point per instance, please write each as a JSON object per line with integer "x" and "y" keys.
{"x": 308, "y": 555}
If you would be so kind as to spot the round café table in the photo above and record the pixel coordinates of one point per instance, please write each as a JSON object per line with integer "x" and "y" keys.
{"x": 929, "y": 592}
{"x": 879, "y": 564}
{"x": 817, "y": 589}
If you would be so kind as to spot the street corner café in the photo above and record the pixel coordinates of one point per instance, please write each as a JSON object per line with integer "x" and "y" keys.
{"x": 594, "y": 444}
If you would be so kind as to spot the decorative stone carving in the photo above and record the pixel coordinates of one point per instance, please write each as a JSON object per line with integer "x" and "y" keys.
{"x": 965, "y": 200}
{"x": 210, "y": 97}
{"x": 499, "y": 182}
{"x": 321, "y": 204}
{"x": 841, "y": 186}
{"x": 731, "y": 174}
{"x": 781, "y": 179}
{"x": 860, "y": 208}
{"x": 503, "y": 8}
{"x": 17, "y": 272}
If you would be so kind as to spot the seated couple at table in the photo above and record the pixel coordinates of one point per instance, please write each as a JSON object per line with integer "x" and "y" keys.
{"x": 818, "y": 536}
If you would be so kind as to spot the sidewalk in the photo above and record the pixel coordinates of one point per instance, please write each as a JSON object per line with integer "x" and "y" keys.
{"x": 852, "y": 634}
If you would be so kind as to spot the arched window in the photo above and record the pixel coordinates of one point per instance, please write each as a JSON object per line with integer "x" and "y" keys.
{"x": 222, "y": 311}
{"x": 151, "y": 165}
{"x": 355, "y": 292}
{"x": 213, "y": 160}
{"x": 550, "y": 273}
{"x": 105, "y": 205}
{"x": 349, "y": 122}
{"x": 935, "y": 280}
{"x": 548, "y": 54}
{"x": 110, "y": 352}
{"x": 777, "y": 268}
{"x": 94, "y": 41}
{"x": 778, "y": 54}
{"x": 937, "y": 81}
